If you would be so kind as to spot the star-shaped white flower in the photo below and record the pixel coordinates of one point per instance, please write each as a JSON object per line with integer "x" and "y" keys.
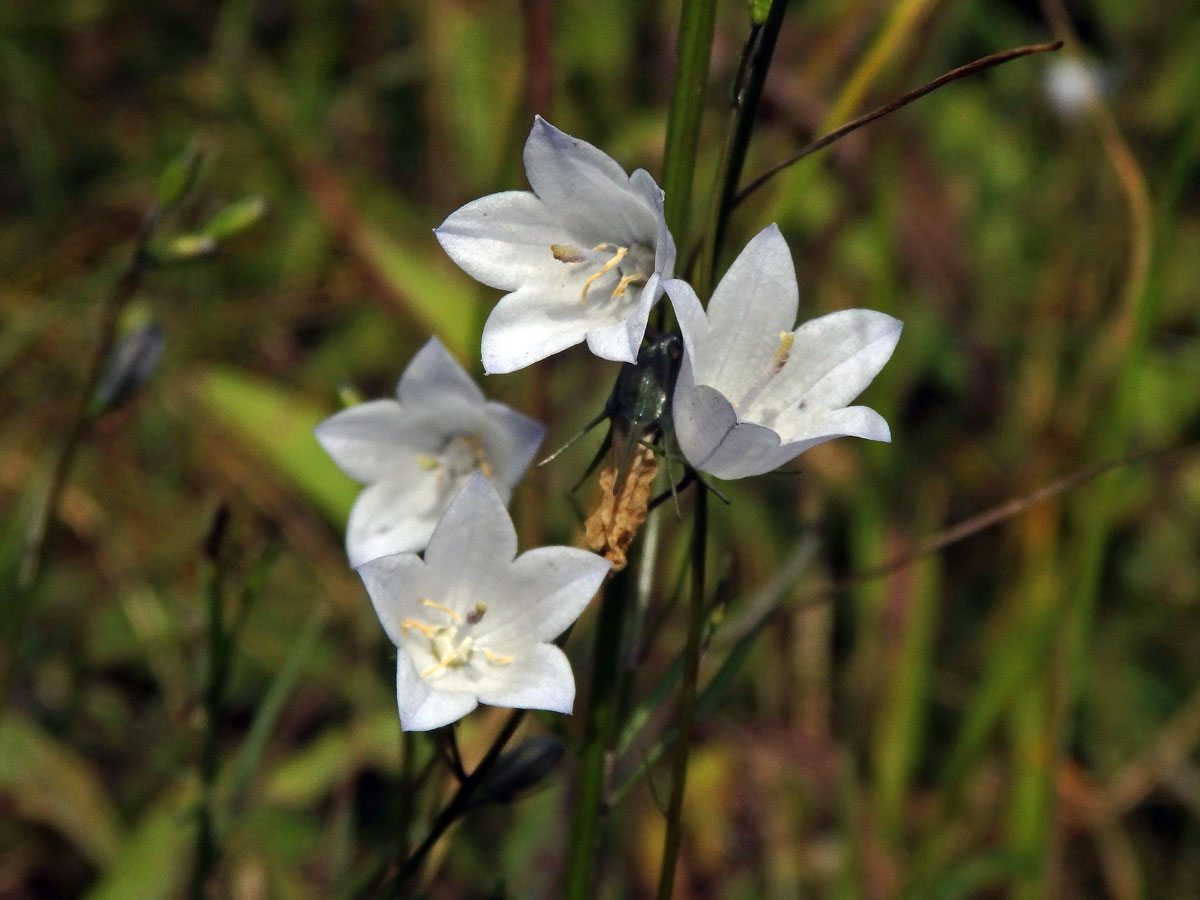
{"x": 415, "y": 452}
{"x": 473, "y": 624}
{"x": 752, "y": 393}
{"x": 583, "y": 256}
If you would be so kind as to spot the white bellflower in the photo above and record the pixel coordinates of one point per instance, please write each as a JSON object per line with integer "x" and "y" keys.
{"x": 583, "y": 255}
{"x": 471, "y": 623}
{"x": 415, "y": 452}
{"x": 752, "y": 393}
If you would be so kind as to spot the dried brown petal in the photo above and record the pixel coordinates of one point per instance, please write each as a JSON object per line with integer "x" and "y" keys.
{"x": 615, "y": 523}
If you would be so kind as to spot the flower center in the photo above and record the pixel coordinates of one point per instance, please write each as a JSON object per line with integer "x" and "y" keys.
{"x": 452, "y": 643}
{"x": 461, "y": 456}
{"x": 629, "y": 265}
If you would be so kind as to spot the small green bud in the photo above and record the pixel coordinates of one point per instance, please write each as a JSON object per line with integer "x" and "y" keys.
{"x": 759, "y": 10}
{"x": 184, "y": 248}
{"x": 236, "y": 218}
{"x": 177, "y": 177}
{"x": 348, "y": 396}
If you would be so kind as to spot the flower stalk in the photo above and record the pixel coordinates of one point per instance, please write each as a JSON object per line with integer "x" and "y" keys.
{"x": 600, "y": 733}
{"x": 696, "y": 24}
{"x": 687, "y": 697}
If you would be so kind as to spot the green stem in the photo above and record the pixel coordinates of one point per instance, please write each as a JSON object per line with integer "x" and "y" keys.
{"x": 687, "y": 699}
{"x": 458, "y": 804}
{"x": 599, "y": 735}
{"x": 696, "y": 23}
{"x": 219, "y": 658}
{"x": 747, "y": 91}
{"x": 33, "y": 551}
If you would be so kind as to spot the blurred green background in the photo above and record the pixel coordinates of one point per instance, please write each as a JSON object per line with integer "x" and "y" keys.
{"x": 1015, "y": 716}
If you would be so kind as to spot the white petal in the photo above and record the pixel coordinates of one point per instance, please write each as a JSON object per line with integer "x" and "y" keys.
{"x": 434, "y": 375}
{"x": 423, "y": 707}
{"x": 363, "y": 440}
{"x": 511, "y": 440}
{"x": 394, "y": 584}
{"x": 396, "y": 515}
{"x": 710, "y": 435}
{"x": 586, "y": 189}
{"x": 503, "y": 239}
{"x": 848, "y": 421}
{"x": 474, "y": 538}
{"x": 540, "y": 678}
{"x": 621, "y": 340}
{"x": 832, "y": 360}
{"x": 664, "y": 248}
{"x": 693, "y": 322}
{"x": 735, "y": 460}
{"x": 753, "y": 305}
{"x": 543, "y": 592}
{"x": 531, "y": 324}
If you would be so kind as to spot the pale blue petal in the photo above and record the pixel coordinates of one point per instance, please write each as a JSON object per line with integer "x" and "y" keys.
{"x": 503, "y": 239}
{"x": 474, "y": 539}
{"x": 395, "y": 585}
{"x": 363, "y": 440}
{"x": 532, "y": 323}
{"x": 587, "y": 190}
{"x": 396, "y": 515}
{"x": 422, "y": 706}
{"x": 693, "y": 322}
{"x": 539, "y": 678}
{"x": 753, "y": 305}
{"x": 542, "y": 593}
{"x": 832, "y": 360}
{"x": 512, "y": 440}
{"x": 434, "y": 375}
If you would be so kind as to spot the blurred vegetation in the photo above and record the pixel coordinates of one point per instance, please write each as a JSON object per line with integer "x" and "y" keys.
{"x": 1017, "y": 715}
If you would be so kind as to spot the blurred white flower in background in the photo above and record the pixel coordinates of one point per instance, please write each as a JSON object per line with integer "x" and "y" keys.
{"x": 415, "y": 452}
{"x": 1072, "y": 85}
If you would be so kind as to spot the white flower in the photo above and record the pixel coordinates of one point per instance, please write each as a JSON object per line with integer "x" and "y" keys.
{"x": 472, "y": 623}
{"x": 752, "y": 393}
{"x": 415, "y": 454}
{"x": 584, "y": 255}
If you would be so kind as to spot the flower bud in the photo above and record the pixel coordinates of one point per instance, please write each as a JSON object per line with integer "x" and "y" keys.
{"x": 130, "y": 364}
{"x": 520, "y": 769}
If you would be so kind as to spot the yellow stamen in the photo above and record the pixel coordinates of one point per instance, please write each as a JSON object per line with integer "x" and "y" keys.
{"x": 498, "y": 660}
{"x": 607, "y": 267}
{"x": 619, "y": 290}
{"x": 436, "y": 668}
{"x": 433, "y": 604}
{"x": 426, "y": 629}
{"x": 428, "y": 462}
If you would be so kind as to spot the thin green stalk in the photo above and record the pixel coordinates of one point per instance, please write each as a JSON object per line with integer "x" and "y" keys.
{"x": 599, "y": 735}
{"x": 32, "y": 560}
{"x": 747, "y": 91}
{"x": 687, "y": 698}
{"x": 696, "y": 24}
{"x": 219, "y": 658}
{"x": 458, "y": 804}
